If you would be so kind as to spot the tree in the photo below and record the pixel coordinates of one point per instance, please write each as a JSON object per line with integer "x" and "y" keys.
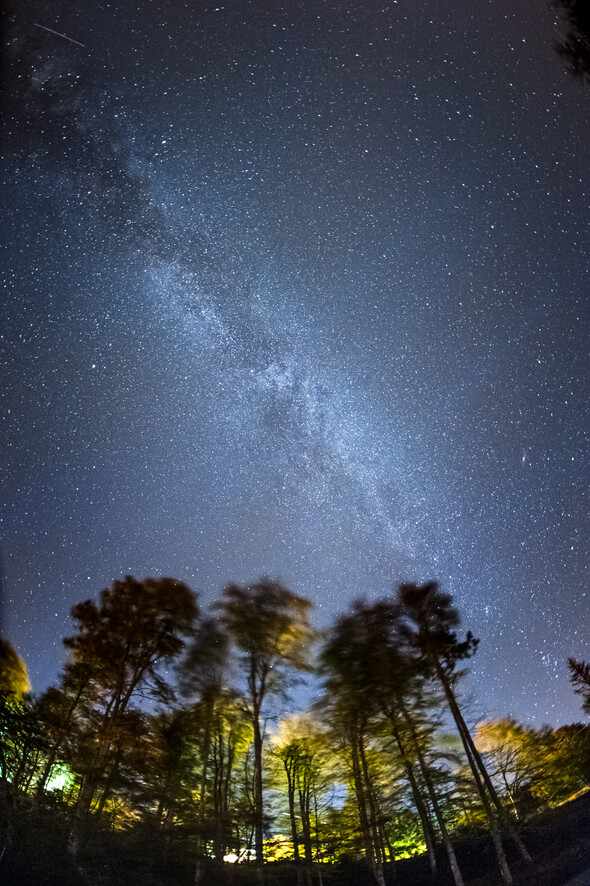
{"x": 574, "y": 46}
{"x": 368, "y": 651}
{"x": 580, "y": 677}
{"x": 202, "y": 675}
{"x": 123, "y": 642}
{"x": 300, "y": 748}
{"x": 269, "y": 627}
{"x": 351, "y": 708}
{"x": 510, "y": 750}
{"x": 17, "y": 731}
{"x": 58, "y": 709}
{"x": 14, "y": 678}
{"x": 431, "y": 620}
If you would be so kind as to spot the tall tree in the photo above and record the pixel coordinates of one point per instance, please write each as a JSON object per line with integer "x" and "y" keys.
{"x": 369, "y": 650}
{"x": 351, "y": 706}
{"x": 303, "y": 760}
{"x": 202, "y": 675}
{"x": 269, "y": 627}
{"x": 431, "y": 620}
{"x": 123, "y": 642}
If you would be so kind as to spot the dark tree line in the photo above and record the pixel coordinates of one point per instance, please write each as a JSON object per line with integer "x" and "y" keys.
{"x": 167, "y": 725}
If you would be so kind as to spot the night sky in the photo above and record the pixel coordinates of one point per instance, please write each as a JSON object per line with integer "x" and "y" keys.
{"x": 299, "y": 289}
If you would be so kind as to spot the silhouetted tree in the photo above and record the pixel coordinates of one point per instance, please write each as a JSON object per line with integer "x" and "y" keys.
{"x": 580, "y": 677}
{"x": 431, "y": 619}
{"x": 350, "y": 706}
{"x": 574, "y": 46}
{"x": 369, "y": 647}
{"x": 202, "y": 674}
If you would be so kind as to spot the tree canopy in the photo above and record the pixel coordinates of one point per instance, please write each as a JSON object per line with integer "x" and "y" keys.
{"x": 168, "y": 728}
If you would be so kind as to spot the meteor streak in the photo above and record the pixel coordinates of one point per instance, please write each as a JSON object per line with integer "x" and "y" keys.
{"x": 58, "y": 34}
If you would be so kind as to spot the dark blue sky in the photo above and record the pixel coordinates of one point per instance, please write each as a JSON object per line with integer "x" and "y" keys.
{"x": 300, "y": 290}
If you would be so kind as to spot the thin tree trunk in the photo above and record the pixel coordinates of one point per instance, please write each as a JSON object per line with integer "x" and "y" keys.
{"x": 453, "y": 863}
{"x": 490, "y": 814}
{"x": 199, "y": 863}
{"x": 376, "y": 838}
{"x": 360, "y": 802}
{"x": 318, "y": 852}
{"x": 57, "y": 744}
{"x": 361, "y": 793}
{"x": 306, "y": 828}
{"x": 419, "y": 803}
{"x": 258, "y": 811}
{"x": 289, "y": 766}
{"x": 479, "y": 764}
{"x": 108, "y": 787}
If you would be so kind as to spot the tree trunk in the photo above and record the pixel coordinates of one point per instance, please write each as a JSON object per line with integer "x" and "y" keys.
{"x": 361, "y": 795}
{"x": 419, "y": 803}
{"x": 81, "y": 810}
{"x": 360, "y": 801}
{"x": 318, "y": 849}
{"x": 449, "y": 849}
{"x": 476, "y": 757}
{"x": 258, "y": 810}
{"x": 373, "y": 822}
{"x": 465, "y": 738}
{"x": 200, "y": 862}
{"x": 84, "y": 801}
{"x": 306, "y": 828}
{"x": 108, "y": 786}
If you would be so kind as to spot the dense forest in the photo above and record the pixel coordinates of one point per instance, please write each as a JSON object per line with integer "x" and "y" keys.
{"x": 164, "y": 754}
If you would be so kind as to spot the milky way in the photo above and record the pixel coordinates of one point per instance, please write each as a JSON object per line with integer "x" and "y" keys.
{"x": 300, "y": 292}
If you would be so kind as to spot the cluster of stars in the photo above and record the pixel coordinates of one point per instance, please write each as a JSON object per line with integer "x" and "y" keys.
{"x": 299, "y": 295}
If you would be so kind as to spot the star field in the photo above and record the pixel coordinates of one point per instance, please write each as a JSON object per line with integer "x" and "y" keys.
{"x": 300, "y": 290}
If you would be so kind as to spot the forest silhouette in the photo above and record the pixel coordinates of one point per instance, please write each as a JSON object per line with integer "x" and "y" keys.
{"x": 166, "y": 753}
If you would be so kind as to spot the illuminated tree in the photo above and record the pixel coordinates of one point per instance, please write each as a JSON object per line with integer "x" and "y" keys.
{"x": 123, "y": 642}
{"x": 269, "y": 627}
{"x": 14, "y": 678}
{"x": 508, "y": 748}
{"x": 18, "y": 734}
{"x": 305, "y": 762}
